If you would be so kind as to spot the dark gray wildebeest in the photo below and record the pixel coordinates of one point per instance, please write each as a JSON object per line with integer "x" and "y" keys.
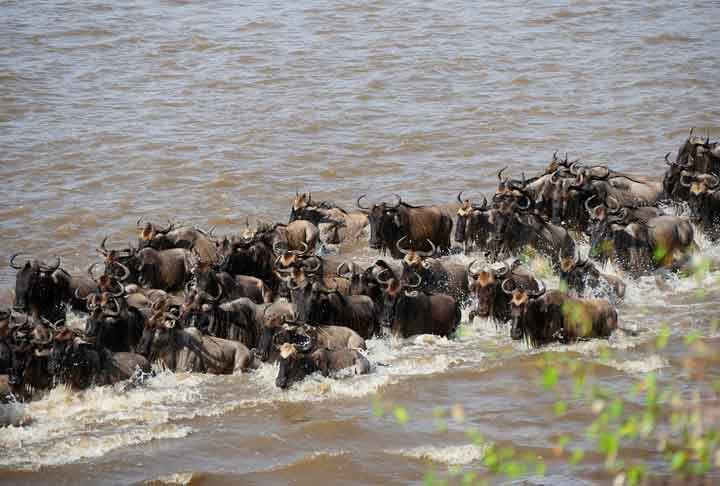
{"x": 295, "y": 366}
{"x": 419, "y": 224}
{"x": 188, "y": 350}
{"x": 307, "y": 337}
{"x": 696, "y": 155}
{"x": 582, "y": 279}
{"x": 640, "y": 245}
{"x": 224, "y": 287}
{"x": 487, "y": 283}
{"x": 437, "y": 276}
{"x": 541, "y": 318}
{"x": 79, "y": 364}
{"x": 317, "y": 305}
{"x": 408, "y": 312}
{"x": 704, "y": 201}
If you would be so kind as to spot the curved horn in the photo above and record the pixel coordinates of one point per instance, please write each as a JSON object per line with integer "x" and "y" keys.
{"x": 505, "y": 270}
{"x": 525, "y": 207}
{"x": 46, "y": 268}
{"x": 357, "y": 203}
{"x": 428, "y": 253}
{"x": 499, "y": 174}
{"x": 312, "y": 269}
{"x": 126, "y": 271}
{"x": 469, "y": 268}
{"x": 399, "y": 201}
{"x": 102, "y": 250}
{"x": 120, "y": 292}
{"x": 137, "y": 223}
{"x": 459, "y": 198}
{"x": 383, "y": 281}
{"x": 505, "y": 288}
{"x": 587, "y": 203}
{"x": 220, "y": 292}
{"x": 110, "y": 313}
{"x": 301, "y": 252}
{"x": 419, "y": 281}
{"x": 90, "y": 271}
{"x": 12, "y": 259}
{"x": 615, "y": 206}
{"x": 400, "y": 249}
{"x": 484, "y": 204}
{"x": 339, "y": 268}
{"x": 667, "y": 160}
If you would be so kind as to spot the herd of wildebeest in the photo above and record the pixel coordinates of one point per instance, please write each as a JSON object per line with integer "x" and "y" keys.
{"x": 273, "y": 293}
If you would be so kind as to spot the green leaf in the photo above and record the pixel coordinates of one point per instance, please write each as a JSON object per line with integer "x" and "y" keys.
{"x": 678, "y": 461}
{"x": 401, "y": 415}
{"x": 635, "y": 475}
{"x": 616, "y": 409}
{"x": 560, "y": 408}
{"x": 550, "y": 378}
{"x": 663, "y": 337}
{"x": 577, "y": 456}
{"x": 691, "y": 337}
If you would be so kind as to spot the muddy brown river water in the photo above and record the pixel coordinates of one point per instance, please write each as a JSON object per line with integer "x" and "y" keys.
{"x": 208, "y": 112}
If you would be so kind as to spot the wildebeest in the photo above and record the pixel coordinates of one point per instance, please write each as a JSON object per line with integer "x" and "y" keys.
{"x": 696, "y": 155}
{"x": 306, "y": 338}
{"x": 407, "y": 312}
{"x": 232, "y": 320}
{"x": 112, "y": 324}
{"x": 640, "y": 242}
{"x": 487, "y": 285}
{"x": 223, "y": 287}
{"x": 295, "y": 366}
{"x": 188, "y": 350}
{"x": 37, "y": 291}
{"x": 186, "y": 237}
{"x": 581, "y": 278}
{"x": 436, "y": 276}
{"x": 541, "y": 318}
{"x": 704, "y": 201}
{"x": 78, "y": 363}
{"x": 251, "y": 256}
{"x": 317, "y": 305}
{"x": 516, "y": 228}
{"x": 162, "y": 269}
{"x": 336, "y": 225}
{"x": 419, "y": 224}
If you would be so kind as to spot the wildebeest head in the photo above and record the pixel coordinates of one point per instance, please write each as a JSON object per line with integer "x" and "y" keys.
{"x": 294, "y": 366}
{"x": 105, "y": 312}
{"x": 300, "y": 205}
{"x": 522, "y": 300}
{"x": 574, "y": 272}
{"x": 484, "y": 285}
{"x": 605, "y": 221}
{"x": 469, "y": 220}
{"x": 35, "y": 286}
{"x": 414, "y": 258}
{"x": 154, "y": 236}
{"x": 384, "y": 222}
{"x": 393, "y": 290}
{"x": 272, "y": 337}
{"x": 562, "y": 187}
{"x": 699, "y": 184}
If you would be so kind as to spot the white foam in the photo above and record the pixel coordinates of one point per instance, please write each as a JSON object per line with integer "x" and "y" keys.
{"x": 450, "y": 455}
{"x": 639, "y": 366}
